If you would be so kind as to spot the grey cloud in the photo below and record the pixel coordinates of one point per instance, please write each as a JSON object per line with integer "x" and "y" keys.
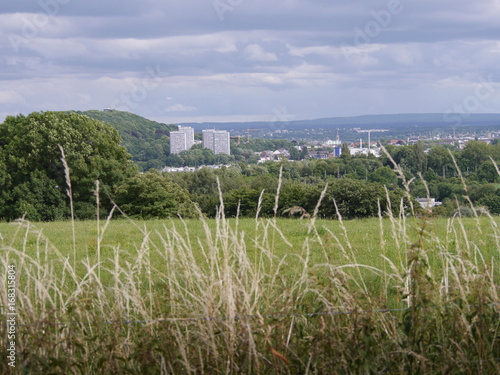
{"x": 257, "y": 55}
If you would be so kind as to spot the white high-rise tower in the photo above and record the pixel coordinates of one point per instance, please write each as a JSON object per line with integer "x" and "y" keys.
{"x": 181, "y": 140}
{"x": 217, "y": 141}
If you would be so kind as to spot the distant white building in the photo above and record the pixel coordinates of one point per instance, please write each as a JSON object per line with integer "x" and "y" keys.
{"x": 192, "y": 169}
{"x": 335, "y": 143}
{"x": 217, "y": 140}
{"x": 428, "y": 203}
{"x": 365, "y": 151}
{"x": 181, "y": 140}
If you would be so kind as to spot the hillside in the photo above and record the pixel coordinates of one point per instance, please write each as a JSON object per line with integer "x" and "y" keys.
{"x": 148, "y": 141}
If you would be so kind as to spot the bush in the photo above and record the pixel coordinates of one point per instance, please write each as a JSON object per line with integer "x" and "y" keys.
{"x": 492, "y": 202}
{"x": 469, "y": 212}
{"x": 152, "y": 195}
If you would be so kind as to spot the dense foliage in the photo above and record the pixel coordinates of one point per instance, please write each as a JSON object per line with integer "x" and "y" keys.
{"x": 243, "y": 189}
{"x": 196, "y": 157}
{"x": 33, "y": 178}
{"x": 151, "y": 195}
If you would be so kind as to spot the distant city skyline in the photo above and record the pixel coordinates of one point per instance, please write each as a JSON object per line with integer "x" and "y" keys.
{"x": 193, "y": 61}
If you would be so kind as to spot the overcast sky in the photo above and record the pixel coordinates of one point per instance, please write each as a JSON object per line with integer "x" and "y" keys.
{"x": 224, "y": 60}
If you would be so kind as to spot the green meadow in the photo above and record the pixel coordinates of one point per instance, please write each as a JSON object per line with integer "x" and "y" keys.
{"x": 372, "y": 242}
{"x": 384, "y": 295}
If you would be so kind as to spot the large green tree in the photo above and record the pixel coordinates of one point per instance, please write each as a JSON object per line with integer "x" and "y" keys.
{"x": 354, "y": 199}
{"x": 474, "y": 154}
{"x": 152, "y": 195}
{"x": 440, "y": 161}
{"x": 32, "y": 175}
{"x": 411, "y": 158}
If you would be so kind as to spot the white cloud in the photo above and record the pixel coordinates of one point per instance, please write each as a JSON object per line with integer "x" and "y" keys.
{"x": 255, "y": 52}
{"x": 180, "y": 108}
{"x": 10, "y": 97}
{"x": 313, "y": 50}
{"x": 131, "y": 48}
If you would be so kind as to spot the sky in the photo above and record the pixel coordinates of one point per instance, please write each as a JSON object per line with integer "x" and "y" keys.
{"x": 246, "y": 60}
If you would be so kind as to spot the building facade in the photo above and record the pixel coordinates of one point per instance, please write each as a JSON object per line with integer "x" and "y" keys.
{"x": 217, "y": 140}
{"x": 208, "y": 139}
{"x": 181, "y": 140}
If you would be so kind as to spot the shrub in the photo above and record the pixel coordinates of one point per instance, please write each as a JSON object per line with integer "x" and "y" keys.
{"x": 152, "y": 195}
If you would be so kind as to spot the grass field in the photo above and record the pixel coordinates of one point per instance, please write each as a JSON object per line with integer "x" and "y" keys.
{"x": 369, "y": 238}
{"x": 392, "y": 295}
{"x": 329, "y": 242}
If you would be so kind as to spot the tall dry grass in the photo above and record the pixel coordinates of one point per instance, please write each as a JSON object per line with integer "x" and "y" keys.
{"x": 203, "y": 304}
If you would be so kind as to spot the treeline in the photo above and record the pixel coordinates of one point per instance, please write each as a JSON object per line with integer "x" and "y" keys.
{"x": 196, "y": 157}
{"x": 356, "y": 184}
{"x": 450, "y": 176}
{"x": 240, "y": 152}
{"x": 254, "y": 190}
{"x": 38, "y": 183}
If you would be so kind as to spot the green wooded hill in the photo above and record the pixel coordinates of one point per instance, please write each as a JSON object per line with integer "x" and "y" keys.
{"x": 148, "y": 141}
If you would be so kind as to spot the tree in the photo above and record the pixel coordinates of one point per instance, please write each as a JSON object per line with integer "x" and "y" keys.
{"x": 492, "y": 201}
{"x": 487, "y": 172}
{"x": 475, "y": 153}
{"x": 354, "y": 199}
{"x": 419, "y": 158}
{"x": 294, "y": 194}
{"x": 440, "y": 161}
{"x": 344, "y": 151}
{"x": 384, "y": 176}
{"x": 411, "y": 158}
{"x": 304, "y": 153}
{"x": 247, "y": 199}
{"x": 152, "y": 195}
{"x": 34, "y": 182}
{"x": 294, "y": 153}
